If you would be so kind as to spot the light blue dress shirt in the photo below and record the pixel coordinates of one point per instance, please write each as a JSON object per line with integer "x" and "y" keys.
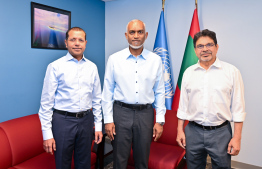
{"x": 134, "y": 80}
{"x": 73, "y": 86}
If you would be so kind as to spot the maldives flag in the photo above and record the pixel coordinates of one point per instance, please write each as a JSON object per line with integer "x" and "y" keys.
{"x": 189, "y": 58}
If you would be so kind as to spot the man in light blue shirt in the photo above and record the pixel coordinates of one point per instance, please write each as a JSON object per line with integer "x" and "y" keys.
{"x": 133, "y": 82}
{"x": 70, "y": 104}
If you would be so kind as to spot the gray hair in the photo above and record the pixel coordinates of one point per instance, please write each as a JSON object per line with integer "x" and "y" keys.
{"x": 134, "y": 21}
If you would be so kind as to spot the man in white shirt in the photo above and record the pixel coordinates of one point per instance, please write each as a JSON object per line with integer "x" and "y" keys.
{"x": 133, "y": 82}
{"x": 70, "y": 104}
{"x": 212, "y": 95}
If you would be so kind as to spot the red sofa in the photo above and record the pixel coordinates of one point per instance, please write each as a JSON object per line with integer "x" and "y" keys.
{"x": 21, "y": 145}
{"x": 165, "y": 153}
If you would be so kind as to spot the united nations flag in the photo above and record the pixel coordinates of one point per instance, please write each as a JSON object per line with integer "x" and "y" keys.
{"x": 161, "y": 49}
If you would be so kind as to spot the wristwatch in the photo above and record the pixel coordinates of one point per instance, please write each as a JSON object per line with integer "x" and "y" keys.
{"x": 161, "y": 123}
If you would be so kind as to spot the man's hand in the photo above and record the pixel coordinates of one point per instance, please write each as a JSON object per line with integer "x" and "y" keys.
{"x": 110, "y": 130}
{"x": 157, "y": 131}
{"x": 98, "y": 137}
{"x": 181, "y": 139}
{"x": 49, "y": 145}
{"x": 234, "y": 146}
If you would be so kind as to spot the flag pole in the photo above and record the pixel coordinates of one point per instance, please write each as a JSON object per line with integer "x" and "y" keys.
{"x": 163, "y": 5}
{"x": 196, "y": 4}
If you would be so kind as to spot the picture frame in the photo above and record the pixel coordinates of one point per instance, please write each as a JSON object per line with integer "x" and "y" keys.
{"x": 49, "y": 26}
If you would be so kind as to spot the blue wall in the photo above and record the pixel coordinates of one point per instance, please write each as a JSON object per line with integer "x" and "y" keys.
{"x": 22, "y": 69}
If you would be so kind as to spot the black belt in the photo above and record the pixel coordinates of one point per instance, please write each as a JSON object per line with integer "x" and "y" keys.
{"x": 134, "y": 106}
{"x": 209, "y": 127}
{"x": 77, "y": 114}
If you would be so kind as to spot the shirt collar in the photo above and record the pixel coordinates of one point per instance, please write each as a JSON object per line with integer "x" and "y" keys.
{"x": 143, "y": 55}
{"x": 216, "y": 64}
{"x": 70, "y": 57}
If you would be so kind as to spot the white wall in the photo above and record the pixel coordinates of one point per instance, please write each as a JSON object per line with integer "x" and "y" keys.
{"x": 238, "y": 24}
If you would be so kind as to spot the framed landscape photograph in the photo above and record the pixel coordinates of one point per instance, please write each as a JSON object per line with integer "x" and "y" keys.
{"x": 49, "y": 26}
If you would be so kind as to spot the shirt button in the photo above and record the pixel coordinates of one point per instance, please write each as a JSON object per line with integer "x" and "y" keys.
{"x": 136, "y": 81}
{"x": 136, "y": 92}
{"x": 136, "y": 61}
{"x": 136, "y": 71}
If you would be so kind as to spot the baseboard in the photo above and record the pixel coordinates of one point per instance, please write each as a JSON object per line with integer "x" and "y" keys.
{"x": 238, "y": 165}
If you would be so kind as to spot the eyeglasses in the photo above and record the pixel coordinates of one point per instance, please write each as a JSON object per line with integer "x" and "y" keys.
{"x": 209, "y": 45}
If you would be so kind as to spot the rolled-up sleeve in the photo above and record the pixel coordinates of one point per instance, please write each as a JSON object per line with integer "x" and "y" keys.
{"x": 237, "y": 99}
{"x": 183, "y": 100}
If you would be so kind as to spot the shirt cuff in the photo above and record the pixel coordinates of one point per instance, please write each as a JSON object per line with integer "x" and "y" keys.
{"x": 181, "y": 115}
{"x": 239, "y": 117}
{"x": 160, "y": 118}
{"x": 47, "y": 134}
{"x": 108, "y": 119}
{"x": 98, "y": 126}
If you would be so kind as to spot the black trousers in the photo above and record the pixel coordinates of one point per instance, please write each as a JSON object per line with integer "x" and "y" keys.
{"x": 200, "y": 142}
{"x": 132, "y": 128}
{"x": 73, "y": 134}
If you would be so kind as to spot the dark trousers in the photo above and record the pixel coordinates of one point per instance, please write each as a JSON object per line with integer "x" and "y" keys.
{"x": 132, "y": 128}
{"x": 73, "y": 134}
{"x": 200, "y": 142}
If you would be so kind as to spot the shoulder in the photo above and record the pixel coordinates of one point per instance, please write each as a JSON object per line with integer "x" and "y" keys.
{"x": 191, "y": 68}
{"x": 120, "y": 53}
{"x": 151, "y": 55}
{"x": 229, "y": 67}
{"x": 91, "y": 63}
{"x": 115, "y": 57}
{"x": 58, "y": 62}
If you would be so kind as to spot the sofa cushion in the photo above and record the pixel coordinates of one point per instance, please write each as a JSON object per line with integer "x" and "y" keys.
{"x": 25, "y": 137}
{"x": 162, "y": 156}
{"x": 5, "y": 155}
{"x": 45, "y": 160}
{"x": 42, "y": 161}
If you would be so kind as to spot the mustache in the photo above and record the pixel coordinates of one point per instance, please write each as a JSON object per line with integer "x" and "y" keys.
{"x": 206, "y": 52}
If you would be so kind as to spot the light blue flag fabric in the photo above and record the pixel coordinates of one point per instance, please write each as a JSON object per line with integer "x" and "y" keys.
{"x": 161, "y": 49}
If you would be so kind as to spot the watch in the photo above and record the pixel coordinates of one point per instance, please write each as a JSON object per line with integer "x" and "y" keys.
{"x": 161, "y": 123}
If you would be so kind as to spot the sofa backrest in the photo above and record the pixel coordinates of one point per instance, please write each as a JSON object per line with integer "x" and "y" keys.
{"x": 170, "y": 129}
{"x": 24, "y": 136}
{"x": 5, "y": 155}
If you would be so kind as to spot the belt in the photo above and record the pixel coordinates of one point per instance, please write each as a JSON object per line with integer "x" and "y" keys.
{"x": 209, "y": 127}
{"x": 134, "y": 106}
{"x": 77, "y": 114}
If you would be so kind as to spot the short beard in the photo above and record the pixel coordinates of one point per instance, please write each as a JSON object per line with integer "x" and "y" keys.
{"x": 135, "y": 47}
{"x": 204, "y": 59}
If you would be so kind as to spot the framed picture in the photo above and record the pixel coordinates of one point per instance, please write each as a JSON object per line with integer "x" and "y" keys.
{"x": 49, "y": 26}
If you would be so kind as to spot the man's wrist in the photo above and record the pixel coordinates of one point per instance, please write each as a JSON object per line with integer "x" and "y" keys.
{"x": 161, "y": 123}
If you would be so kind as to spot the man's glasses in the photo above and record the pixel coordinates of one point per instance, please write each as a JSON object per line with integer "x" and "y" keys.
{"x": 209, "y": 45}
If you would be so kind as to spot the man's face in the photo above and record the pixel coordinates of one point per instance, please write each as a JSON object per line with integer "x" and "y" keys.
{"x": 76, "y": 43}
{"x": 206, "y": 49}
{"x": 136, "y": 34}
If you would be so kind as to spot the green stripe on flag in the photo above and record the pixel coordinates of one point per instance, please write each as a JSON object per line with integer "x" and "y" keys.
{"x": 189, "y": 59}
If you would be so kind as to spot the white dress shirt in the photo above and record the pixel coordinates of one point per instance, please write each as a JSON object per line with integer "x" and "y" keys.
{"x": 210, "y": 97}
{"x": 134, "y": 80}
{"x": 73, "y": 86}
